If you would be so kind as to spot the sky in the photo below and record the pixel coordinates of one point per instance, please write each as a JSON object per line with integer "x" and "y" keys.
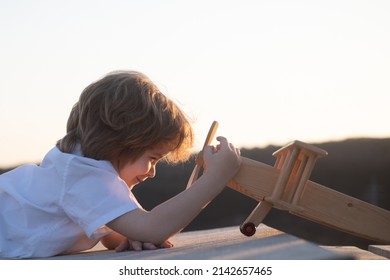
{"x": 268, "y": 71}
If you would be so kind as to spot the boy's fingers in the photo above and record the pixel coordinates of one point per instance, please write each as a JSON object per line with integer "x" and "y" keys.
{"x": 166, "y": 244}
{"x": 136, "y": 245}
{"x": 224, "y": 143}
{"x": 237, "y": 150}
{"x": 123, "y": 246}
{"x": 149, "y": 246}
{"x": 139, "y": 246}
{"x": 209, "y": 150}
{"x": 222, "y": 140}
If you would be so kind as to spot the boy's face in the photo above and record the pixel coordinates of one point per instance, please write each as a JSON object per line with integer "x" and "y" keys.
{"x": 135, "y": 172}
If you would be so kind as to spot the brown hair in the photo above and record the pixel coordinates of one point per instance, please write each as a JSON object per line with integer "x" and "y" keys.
{"x": 125, "y": 114}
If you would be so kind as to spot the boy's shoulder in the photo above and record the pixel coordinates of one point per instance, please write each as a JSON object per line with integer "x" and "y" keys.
{"x": 74, "y": 161}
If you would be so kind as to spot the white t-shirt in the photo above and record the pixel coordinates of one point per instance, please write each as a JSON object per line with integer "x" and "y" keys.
{"x": 59, "y": 206}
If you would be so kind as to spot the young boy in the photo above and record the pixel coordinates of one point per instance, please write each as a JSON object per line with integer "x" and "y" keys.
{"x": 80, "y": 194}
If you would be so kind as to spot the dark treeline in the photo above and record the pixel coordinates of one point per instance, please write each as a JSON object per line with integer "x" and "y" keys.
{"x": 357, "y": 167}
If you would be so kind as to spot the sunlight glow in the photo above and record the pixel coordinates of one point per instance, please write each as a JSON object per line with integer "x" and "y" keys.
{"x": 268, "y": 71}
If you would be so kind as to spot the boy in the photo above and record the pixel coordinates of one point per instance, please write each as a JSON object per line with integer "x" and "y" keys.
{"x": 80, "y": 194}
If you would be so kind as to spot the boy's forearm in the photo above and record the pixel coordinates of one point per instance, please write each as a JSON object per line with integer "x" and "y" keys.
{"x": 170, "y": 217}
{"x": 180, "y": 210}
{"x": 112, "y": 240}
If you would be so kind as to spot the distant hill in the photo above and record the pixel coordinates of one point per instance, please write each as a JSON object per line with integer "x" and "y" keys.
{"x": 357, "y": 167}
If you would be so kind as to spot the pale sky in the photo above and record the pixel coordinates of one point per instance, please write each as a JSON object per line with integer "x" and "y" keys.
{"x": 269, "y": 71}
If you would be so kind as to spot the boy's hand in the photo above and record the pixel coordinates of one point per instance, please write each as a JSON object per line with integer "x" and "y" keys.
{"x": 224, "y": 160}
{"x": 127, "y": 245}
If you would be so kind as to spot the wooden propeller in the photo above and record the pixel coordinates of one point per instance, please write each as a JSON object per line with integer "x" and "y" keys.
{"x": 198, "y": 165}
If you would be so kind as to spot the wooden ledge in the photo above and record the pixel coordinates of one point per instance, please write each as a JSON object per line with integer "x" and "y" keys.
{"x": 222, "y": 244}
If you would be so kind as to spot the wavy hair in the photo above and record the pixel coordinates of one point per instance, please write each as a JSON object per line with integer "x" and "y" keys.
{"x": 125, "y": 114}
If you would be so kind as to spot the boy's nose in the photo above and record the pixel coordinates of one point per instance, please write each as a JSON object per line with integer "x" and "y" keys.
{"x": 152, "y": 171}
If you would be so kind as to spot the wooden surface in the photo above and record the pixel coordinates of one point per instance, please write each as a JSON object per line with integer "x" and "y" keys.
{"x": 381, "y": 250}
{"x": 230, "y": 244}
{"x": 355, "y": 252}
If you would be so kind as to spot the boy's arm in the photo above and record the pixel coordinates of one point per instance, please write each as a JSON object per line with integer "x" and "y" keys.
{"x": 168, "y": 218}
{"x": 112, "y": 240}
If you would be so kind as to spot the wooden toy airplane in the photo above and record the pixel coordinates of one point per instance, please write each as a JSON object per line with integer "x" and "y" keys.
{"x": 286, "y": 186}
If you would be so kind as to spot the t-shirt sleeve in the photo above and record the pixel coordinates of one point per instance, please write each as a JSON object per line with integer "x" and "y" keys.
{"x": 93, "y": 195}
